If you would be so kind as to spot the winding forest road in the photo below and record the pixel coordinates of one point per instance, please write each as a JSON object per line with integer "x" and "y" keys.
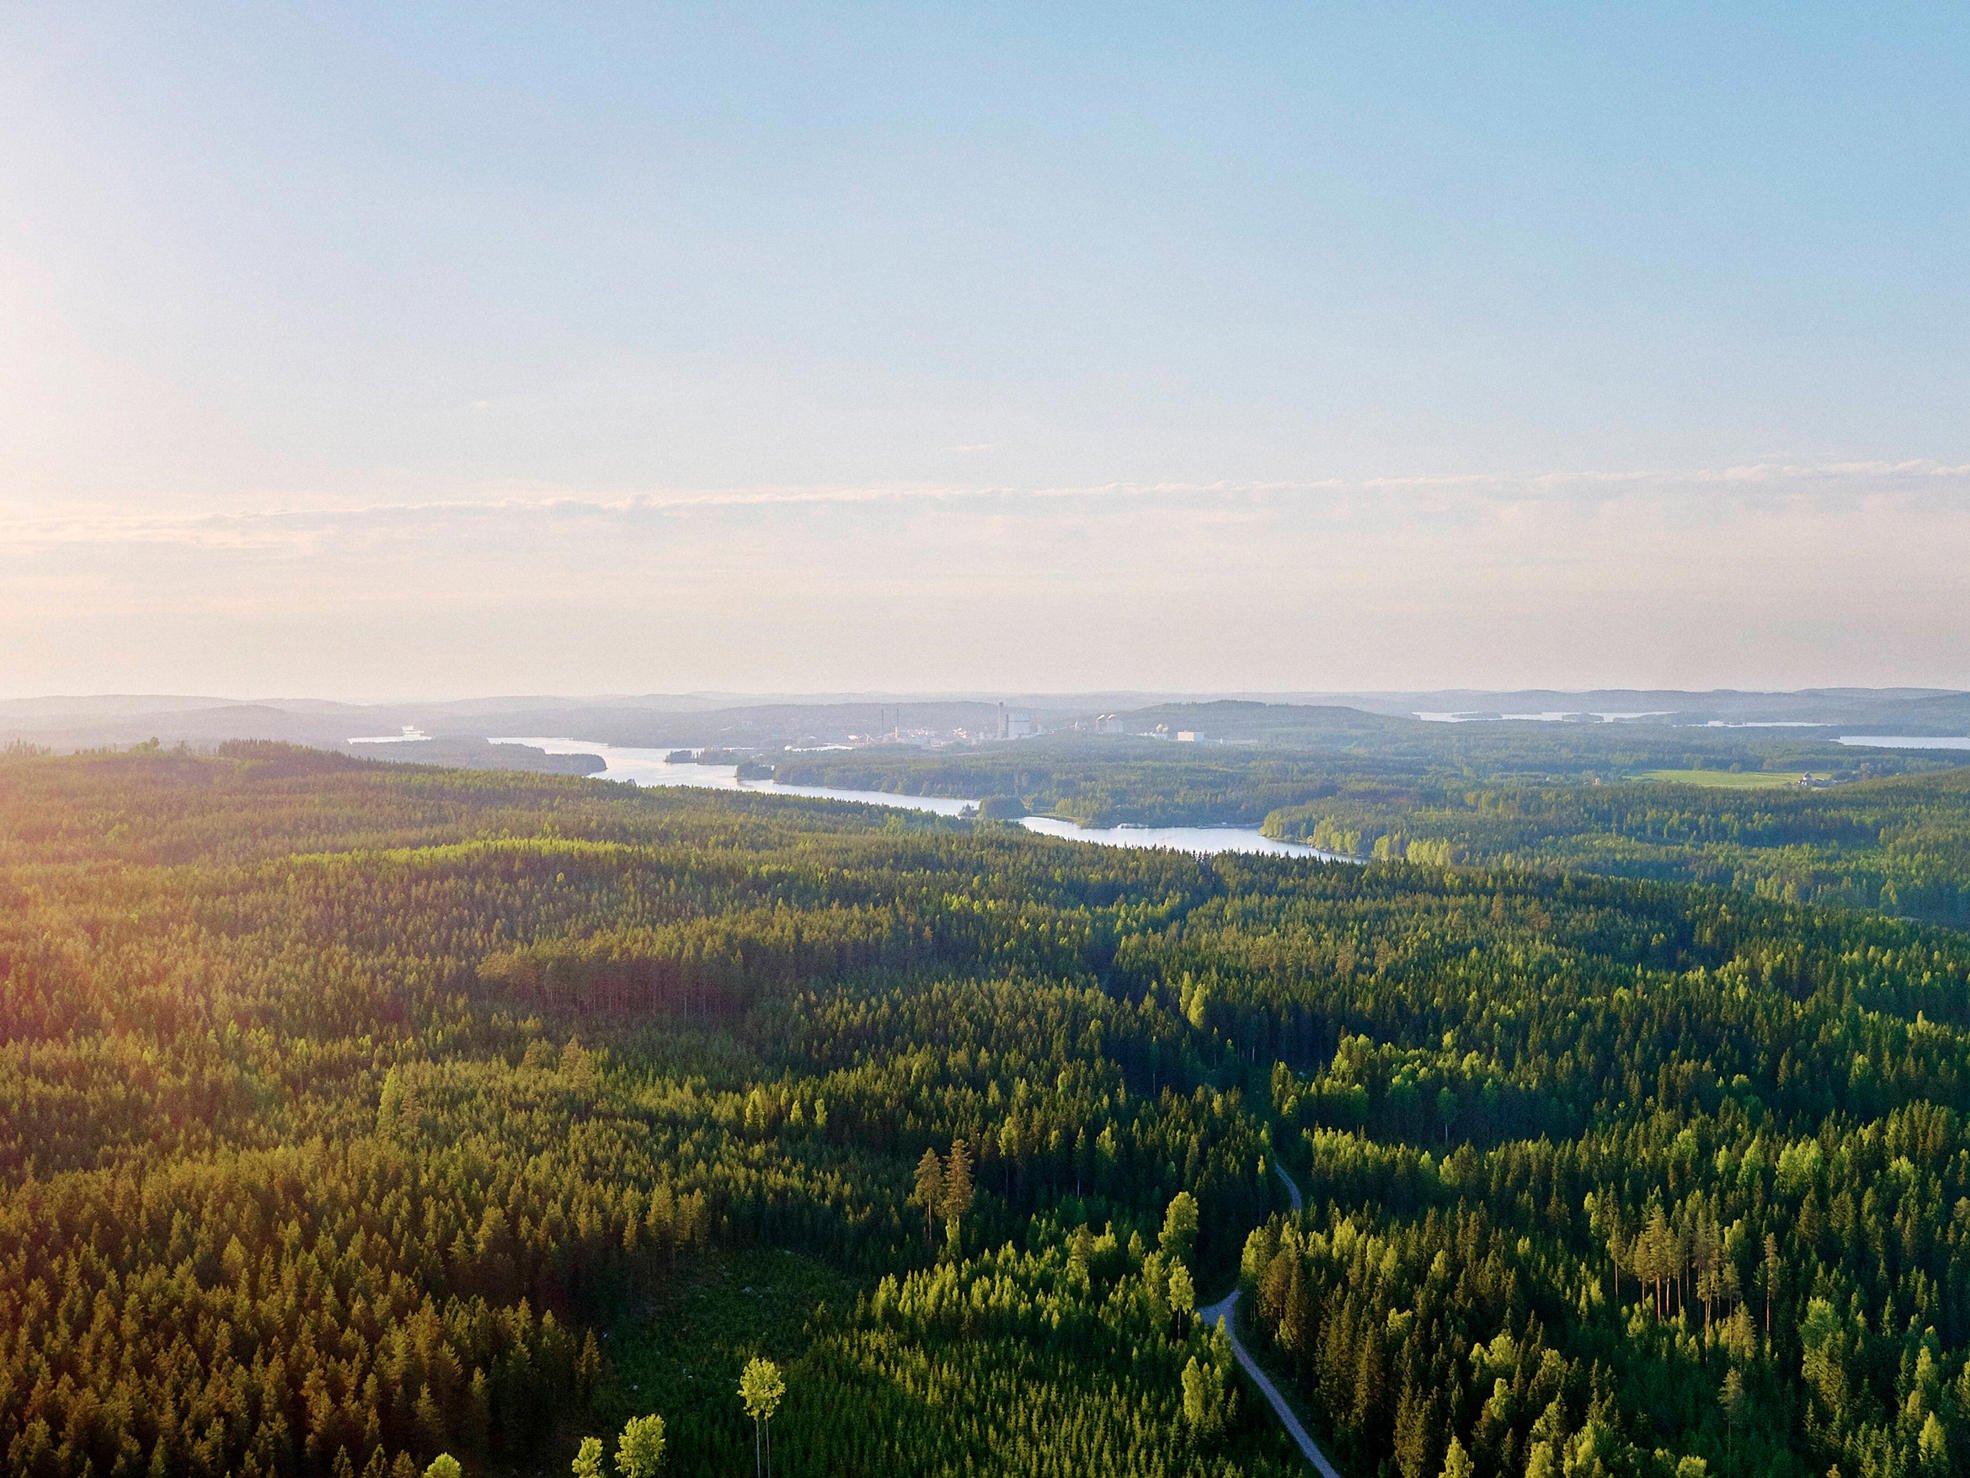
{"x": 1225, "y": 1311}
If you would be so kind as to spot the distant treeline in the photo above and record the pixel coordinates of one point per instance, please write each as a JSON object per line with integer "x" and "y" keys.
{"x": 1899, "y": 844}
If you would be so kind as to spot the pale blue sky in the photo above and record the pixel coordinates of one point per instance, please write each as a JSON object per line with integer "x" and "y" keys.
{"x": 384, "y": 349}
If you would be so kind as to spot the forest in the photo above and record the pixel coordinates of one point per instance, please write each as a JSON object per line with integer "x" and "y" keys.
{"x": 1887, "y": 832}
{"x": 1900, "y": 844}
{"x": 354, "y": 1114}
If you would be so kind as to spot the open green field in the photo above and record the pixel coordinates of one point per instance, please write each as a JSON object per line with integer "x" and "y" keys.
{"x": 1723, "y": 779}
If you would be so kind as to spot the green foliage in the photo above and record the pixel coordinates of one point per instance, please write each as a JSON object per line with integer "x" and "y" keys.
{"x": 1900, "y": 846}
{"x": 640, "y": 1448}
{"x": 364, "y": 1102}
{"x": 352, "y": 1116}
{"x": 761, "y": 1386}
{"x": 1204, "y": 1408}
{"x": 1178, "y": 1239}
{"x": 1692, "y": 1136}
{"x": 959, "y": 1190}
{"x": 588, "y": 1459}
{"x": 1182, "y": 1294}
{"x": 1712, "y": 806}
{"x": 928, "y": 1188}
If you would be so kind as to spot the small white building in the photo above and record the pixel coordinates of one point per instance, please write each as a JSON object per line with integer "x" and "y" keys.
{"x": 1016, "y": 725}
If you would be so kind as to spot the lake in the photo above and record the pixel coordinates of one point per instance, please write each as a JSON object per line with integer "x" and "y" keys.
{"x": 1203, "y": 840}
{"x": 1549, "y": 716}
{"x": 650, "y": 767}
{"x": 1907, "y": 741}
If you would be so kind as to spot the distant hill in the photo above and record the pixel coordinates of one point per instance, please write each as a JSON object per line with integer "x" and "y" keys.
{"x": 660, "y": 720}
{"x": 1234, "y": 720}
{"x": 201, "y": 726}
{"x": 1855, "y": 709}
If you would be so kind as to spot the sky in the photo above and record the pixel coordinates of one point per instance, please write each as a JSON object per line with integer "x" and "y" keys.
{"x": 408, "y": 350}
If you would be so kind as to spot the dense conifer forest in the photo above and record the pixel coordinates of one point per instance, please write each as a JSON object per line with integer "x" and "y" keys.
{"x": 1900, "y": 845}
{"x": 351, "y": 1115}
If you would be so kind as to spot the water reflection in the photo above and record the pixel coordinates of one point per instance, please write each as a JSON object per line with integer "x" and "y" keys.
{"x": 654, "y": 767}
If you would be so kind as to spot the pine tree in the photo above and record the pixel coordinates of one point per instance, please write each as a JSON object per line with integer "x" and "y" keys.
{"x": 1414, "y": 1429}
{"x": 929, "y": 1191}
{"x": 1770, "y": 1270}
{"x": 1296, "y": 1313}
{"x": 957, "y": 1190}
{"x": 1368, "y": 1374}
{"x": 1732, "y": 1399}
{"x": 1932, "y": 1446}
{"x": 588, "y": 1369}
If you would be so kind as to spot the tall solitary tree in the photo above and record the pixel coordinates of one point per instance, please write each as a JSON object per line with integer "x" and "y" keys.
{"x": 1770, "y": 1271}
{"x": 761, "y": 1387}
{"x": 957, "y": 1189}
{"x": 1656, "y": 1260}
{"x": 1731, "y": 1398}
{"x": 1617, "y": 1245}
{"x": 929, "y": 1192}
{"x": 1183, "y": 1296}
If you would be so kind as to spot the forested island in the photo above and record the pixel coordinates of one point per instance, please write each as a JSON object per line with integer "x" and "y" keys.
{"x": 353, "y": 1115}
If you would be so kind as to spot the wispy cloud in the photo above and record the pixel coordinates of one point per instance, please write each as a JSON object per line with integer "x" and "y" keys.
{"x": 305, "y": 525}
{"x": 1775, "y": 571}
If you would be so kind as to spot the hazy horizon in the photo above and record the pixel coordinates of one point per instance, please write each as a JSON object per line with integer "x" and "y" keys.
{"x": 745, "y": 697}
{"x": 393, "y": 351}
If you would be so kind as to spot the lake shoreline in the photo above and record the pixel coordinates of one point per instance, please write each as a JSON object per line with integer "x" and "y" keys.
{"x": 656, "y": 768}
